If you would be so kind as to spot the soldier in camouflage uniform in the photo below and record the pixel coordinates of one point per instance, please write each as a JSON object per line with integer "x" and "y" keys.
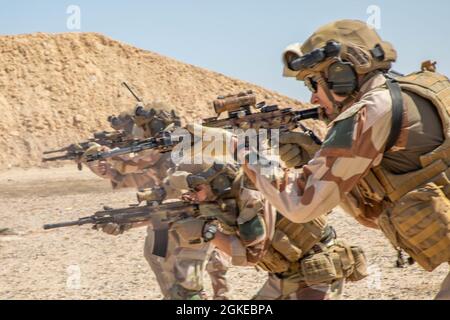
{"x": 385, "y": 158}
{"x": 303, "y": 261}
{"x": 187, "y": 260}
{"x": 217, "y": 268}
{"x": 146, "y": 170}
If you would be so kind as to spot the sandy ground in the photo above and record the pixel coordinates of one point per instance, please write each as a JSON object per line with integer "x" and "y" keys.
{"x": 80, "y": 263}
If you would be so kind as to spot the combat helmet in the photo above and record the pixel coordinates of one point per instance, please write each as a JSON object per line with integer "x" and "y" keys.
{"x": 219, "y": 176}
{"x": 336, "y": 54}
{"x": 123, "y": 122}
{"x": 155, "y": 117}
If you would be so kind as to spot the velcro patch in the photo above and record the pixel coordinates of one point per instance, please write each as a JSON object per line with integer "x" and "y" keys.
{"x": 252, "y": 229}
{"x": 340, "y": 135}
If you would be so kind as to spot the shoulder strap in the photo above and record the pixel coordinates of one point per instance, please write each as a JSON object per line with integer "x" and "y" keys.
{"x": 397, "y": 112}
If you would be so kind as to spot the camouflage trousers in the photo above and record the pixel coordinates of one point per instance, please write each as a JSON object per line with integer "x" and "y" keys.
{"x": 161, "y": 267}
{"x": 217, "y": 268}
{"x": 180, "y": 273}
{"x": 292, "y": 287}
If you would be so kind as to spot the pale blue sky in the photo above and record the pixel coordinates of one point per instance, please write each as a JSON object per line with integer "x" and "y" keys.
{"x": 242, "y": 39}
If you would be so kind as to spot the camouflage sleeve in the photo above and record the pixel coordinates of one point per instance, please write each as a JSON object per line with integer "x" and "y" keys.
{"x": 353, "y": 145}
{"x": 144, "y": 159}
{"x": 121, "y": 178}
{"x": 248, "y": 246}
{"x": 117, "y": 179}
{"x": 95, "y": 168}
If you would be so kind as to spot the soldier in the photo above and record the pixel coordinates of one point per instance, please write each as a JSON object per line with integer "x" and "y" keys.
{"x": 146, "y": 170}
{"x": 217, "y": 268}
{"x": 303, "y": 261}
{"x": 385, "y": 157}
{"x": 187, "y": 260}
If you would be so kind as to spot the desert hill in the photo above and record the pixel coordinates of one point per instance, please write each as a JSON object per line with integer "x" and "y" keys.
{"x": 59, "y": 88}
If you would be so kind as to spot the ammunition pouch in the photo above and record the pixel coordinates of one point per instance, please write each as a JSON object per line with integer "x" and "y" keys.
{"x": 274, "y": 262}
{"x": 419, "y": 223}
{"x": 291, "y": 241}
{"x": 324, "y": 262}
{"x": 360, "y": 266}
{"x": 335, "y": 262}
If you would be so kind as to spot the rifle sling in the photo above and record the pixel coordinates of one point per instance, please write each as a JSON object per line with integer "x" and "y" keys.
{"x": 397, "y": 112}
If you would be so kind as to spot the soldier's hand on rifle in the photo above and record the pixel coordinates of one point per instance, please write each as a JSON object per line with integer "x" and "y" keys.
{"x": 102, "y": 167}
{"x": 296, "y": 148}
{"x": 93, "y": 149}
{"x": 113, "y": 228}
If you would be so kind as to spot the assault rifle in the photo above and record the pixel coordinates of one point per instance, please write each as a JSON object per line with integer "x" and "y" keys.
{"x": 161, "y": 216}
{"x": 74, "y": 151}
{"x": 163, "y": 142}
{"x": 240, "y": 115}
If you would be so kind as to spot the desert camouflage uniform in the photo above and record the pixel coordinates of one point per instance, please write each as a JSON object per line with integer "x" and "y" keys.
{"x": 217, "y": 268}
{"x": 303, "y": 277}
{"x": 143, "y": 171}
{"x": 147, "y": 170}
{"x": 293, "y": 287}
{"x": 274, "y": 244}
{"x": 342, "y": 172}
{"x": 187, "y": 262}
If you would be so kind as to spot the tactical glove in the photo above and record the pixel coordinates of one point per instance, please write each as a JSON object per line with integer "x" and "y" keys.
{"x": 297, "y": 148}
{"x": 93, "y": 149}
{"x": 113, "y": 228}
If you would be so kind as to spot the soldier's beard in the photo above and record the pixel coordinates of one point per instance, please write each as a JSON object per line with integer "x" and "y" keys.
{"x": 327, "y": 116}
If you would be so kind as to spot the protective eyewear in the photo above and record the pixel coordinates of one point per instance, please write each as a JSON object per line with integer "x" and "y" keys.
{"x": 311, "y": 83}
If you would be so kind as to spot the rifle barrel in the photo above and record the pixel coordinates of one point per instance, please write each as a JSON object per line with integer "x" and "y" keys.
{"x": 62, "y": 224}
{"x": 312, "y": 113}
{"x": 55, "y": 151}
{"x": 63, "y": 157}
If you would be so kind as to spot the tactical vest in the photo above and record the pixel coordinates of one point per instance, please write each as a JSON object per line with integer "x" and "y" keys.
{"x": 413, "y": 209}
{"x": 309, "y": 250}
{"x": 290, "y": 243}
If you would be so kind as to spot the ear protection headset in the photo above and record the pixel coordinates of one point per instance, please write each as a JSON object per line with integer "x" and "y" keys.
{"x": 341, "y": 75}
{"x": 342, "y": 78}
